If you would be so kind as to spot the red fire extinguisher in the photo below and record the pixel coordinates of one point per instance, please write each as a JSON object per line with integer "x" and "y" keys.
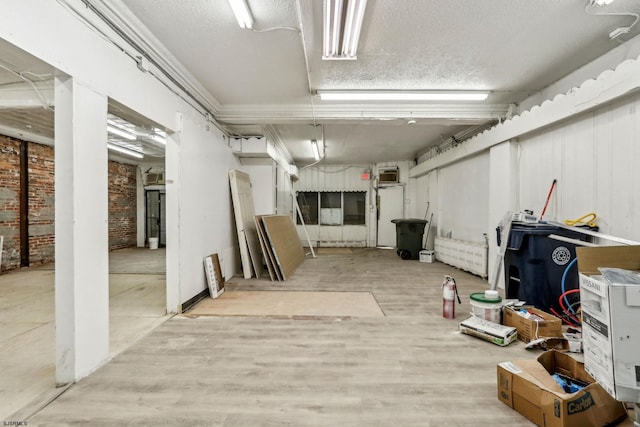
{"x": 449, "y": 295}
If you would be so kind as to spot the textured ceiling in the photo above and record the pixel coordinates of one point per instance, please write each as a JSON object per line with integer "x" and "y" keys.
{"x": 267, "y": 78}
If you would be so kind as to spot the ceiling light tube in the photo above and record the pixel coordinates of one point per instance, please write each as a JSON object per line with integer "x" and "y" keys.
{"x": 352, "y": 27}
{"x": 158, "y": 138}
{"x": 122, "y": 133}
{"x": 242, "y": 12}
{"x": 126, "y": 151}
{"x": 341, "y": 28}
{"x": 403, "y": 95}
{"x": 332, "y": 29}
{"x": 315, "y": 149}
{"x": 602, "y": 2}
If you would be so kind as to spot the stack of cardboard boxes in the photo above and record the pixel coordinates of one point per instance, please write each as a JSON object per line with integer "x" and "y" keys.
{"x": 611, "y": 341}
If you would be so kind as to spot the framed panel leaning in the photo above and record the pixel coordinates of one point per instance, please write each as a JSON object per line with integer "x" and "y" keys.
{"x": 215, "y": 280}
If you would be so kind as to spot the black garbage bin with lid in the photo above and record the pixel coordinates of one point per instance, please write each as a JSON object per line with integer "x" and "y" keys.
{"x": 534, "y": 264}
{"x": 409, "y": 233}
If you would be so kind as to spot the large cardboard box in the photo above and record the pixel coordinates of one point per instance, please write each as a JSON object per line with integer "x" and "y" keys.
{"x": 527, "y": 387}
{"x": 610, "y": 319}
{"x": 529, "y": 329}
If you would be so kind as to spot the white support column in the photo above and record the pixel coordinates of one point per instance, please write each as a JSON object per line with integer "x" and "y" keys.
{"x": 503, "y": 194}
{"x": 172, "y": 180}
{"x": 81, "y": 216}
{"x": 141, "y": 209}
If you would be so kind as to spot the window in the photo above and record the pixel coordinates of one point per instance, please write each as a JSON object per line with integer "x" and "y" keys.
{"x": 308, "y": 202}
{"x": 333, "y": 207}
{"x": 354, "y": 208}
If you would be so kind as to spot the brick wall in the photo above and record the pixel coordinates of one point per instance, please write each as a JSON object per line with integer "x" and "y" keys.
{"x": 10, "y": 201}
{"x": 41, "y": 204}
{"x": 122, "y": 206}
{"x": 122, "y": 203}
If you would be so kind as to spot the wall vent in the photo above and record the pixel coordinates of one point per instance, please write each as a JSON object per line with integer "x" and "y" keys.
{"x": 388, "y": 176}
{"x": 154, "y": 178}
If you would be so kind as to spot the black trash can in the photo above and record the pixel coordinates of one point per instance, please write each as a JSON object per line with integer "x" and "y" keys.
{"x": 534, "y": 264}
{"x": 409, "y": 233}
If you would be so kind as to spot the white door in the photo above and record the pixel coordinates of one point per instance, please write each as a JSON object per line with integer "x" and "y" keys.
{"x": 242, "y": 197}
{"x": 390, "y": 206}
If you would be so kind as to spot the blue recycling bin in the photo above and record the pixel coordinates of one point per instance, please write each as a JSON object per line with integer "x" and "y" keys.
{"x": 409, "y": 233}
{"x": 534, "y": 264}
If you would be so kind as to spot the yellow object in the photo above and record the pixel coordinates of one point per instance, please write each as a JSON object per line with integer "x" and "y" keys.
{"x": 588, "y": 219}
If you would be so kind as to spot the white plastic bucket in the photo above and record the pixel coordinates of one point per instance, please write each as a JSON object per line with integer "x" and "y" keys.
{"x": 153, "y": 243}
{"x": 487, "y": 305}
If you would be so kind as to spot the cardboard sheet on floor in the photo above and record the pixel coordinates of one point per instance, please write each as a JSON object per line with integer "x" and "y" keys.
{"x": 285, "y": 243}
{"x": 244, "y": 213}
{"x": 289, "y": 303}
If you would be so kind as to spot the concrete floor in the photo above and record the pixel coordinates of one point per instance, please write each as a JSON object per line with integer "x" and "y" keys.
{"x": 409, "y": 368}
{"x": 27, "y": 335}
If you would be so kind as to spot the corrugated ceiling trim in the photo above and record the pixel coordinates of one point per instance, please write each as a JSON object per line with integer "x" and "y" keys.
{"x": 592, "y": 93}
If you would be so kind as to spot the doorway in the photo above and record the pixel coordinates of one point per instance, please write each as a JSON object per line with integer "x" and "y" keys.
{"x": 390, "y": 206}
{"x": 156, "y": 215}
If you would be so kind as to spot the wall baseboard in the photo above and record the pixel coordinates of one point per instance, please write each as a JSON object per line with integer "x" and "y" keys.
{"x": 194, "y": 300}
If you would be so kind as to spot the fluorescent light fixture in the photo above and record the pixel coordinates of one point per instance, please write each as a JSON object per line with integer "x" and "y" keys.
{"x": 618, "y": 32}
{"x": 352, "y": 27}
{"x": 126, "y": 151}
{"x": 122, "y": 133}
{"x": 342, "y": 25}
{"x": 242, "y": 12}
{"x": 403, "y": 95}
{"x": 158, "y": 138}
{"x": 602, "y": 2}
{"x": 315, "y": 149}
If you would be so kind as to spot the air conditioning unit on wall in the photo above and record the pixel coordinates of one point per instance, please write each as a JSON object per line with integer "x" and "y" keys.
{"x": 388, "y": 175}
{"x": 154, "y": 179}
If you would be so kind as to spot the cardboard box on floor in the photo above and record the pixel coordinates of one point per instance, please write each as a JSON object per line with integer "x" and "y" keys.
{"x": 529, "y": 329}
{"x": 610, "y": 313}
{"x": 527, "y": 387}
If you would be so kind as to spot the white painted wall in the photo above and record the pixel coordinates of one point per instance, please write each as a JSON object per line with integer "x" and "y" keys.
{"x": 198, "y": 184}
{"x": 199, "y": 218}
{"x": 425, "y": 191}
{"x": 463, "y": 199}
{"x": 81, "y": 224}
{"x": 262, "y": 172}
{"x": 284, "y": 187}
{"x": 503, "y": 197}
{"x": 594, "y": 157}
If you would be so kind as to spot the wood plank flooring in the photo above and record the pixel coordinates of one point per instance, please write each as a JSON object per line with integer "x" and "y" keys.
{"x": 410, "y": 368}
{"x": 27, "y": 331}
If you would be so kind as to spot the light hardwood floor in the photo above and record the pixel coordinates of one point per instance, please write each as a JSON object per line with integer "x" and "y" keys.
{"x": 410, "y": 368}
{"x": 27, "y": 330}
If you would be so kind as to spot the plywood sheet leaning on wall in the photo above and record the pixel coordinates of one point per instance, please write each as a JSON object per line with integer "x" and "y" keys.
{"x": 242, "y": 197}
{"x": 285, "y": 243}
{"x": 269, "y": 259}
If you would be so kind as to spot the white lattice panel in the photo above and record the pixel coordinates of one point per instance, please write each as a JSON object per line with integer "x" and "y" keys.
{"x": 467, "y": 256}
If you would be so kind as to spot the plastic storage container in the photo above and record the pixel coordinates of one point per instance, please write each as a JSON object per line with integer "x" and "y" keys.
{"x": 534, "y": 264}
{"x": 409, "y": 233}
{"x": 487, "y": 305}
